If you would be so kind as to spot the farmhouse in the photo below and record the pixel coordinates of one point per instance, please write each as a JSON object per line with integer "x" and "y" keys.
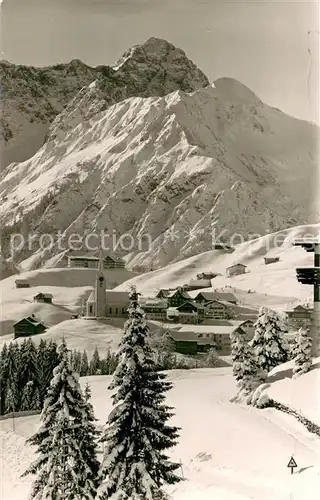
{"x": 271, "y": 260}
{"x": 236, "y": 269}
{"x": 220, "y": 335}
{"x": 198, "y": 283}
{"x": 177, "y": 297}
{"x": 163, "y": 293}
{"x": 155, "y": 309}
{"x": 22, "y": 284}
{"x": 216, "y": 309}
{"x": 300, "y": 313}
{"x": 188, "y": 312}
{"x": 203, "y": 297}
{"x": 189, "y": 343}
{"x": 207, "y": 276}
{"x": 28, "y": 326}
{"x": 43, "y": 297}
{"x": 91, "y": 262}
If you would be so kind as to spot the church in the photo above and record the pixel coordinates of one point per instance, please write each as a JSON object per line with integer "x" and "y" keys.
{"x": 104, "y": 303}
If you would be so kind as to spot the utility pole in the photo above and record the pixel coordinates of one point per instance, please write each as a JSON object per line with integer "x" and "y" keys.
{"x": 311, "y": 276}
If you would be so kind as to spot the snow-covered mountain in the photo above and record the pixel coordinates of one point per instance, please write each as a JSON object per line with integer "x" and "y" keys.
{"x": 33, "y": 97}
{"x": 174, "y": 167}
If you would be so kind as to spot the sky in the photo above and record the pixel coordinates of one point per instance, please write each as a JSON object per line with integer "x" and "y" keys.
{"x": 264, "y": 44}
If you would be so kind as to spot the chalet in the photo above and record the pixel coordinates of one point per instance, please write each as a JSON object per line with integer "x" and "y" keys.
{"x": 177, "y": 297}
{"x": 203, "y": 297}
{"x": 43, "y": 297}
{"x": 198, "y": 283}
{"x": 188, "y": 312}
{"x": 224, "y": 247}
{"x": 271, "y": 260}
{"x": 185, "y": 343}
{"x": 28, "y": 326}
{"x": 236, "y": 269}
{"x": 220, "y": 335}
{"x": 300, "y": 313}
{"x": 216, "y": 309}
{"x": 246, "y": 325}
{"x": 155, "y": 309}
{"x": 163, "y": 293}
{"x": 22, "y": 284}
{"x": 206, "y": 276}
{"x": 91, "y": 262}
{"x": 117, "y": 303}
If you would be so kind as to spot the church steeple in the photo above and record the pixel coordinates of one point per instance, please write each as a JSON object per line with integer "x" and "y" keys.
{"x": 100, "y": 289}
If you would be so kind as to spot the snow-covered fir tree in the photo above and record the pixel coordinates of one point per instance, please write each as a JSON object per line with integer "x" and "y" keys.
{"x": 95, "y": 363}
{"x": 244, "y": 367}
{"x": 268, "y": 342}
{"x": 84, "y": 367}
{"x": 137, "y": 436}
{"x": 303, "y": 360}
{"x": 67, "y": 465}
{"x": 87, "y": 392}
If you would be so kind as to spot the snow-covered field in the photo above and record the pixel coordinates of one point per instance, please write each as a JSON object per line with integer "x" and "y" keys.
{"x": 69, "y": 287}
{"x": 228, "y": 451}
{"x": 80, "y": 334}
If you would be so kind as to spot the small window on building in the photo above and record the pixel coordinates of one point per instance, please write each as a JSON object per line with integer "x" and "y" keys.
{"x": 90, "y": 309}
{"x": 110, "y": 310}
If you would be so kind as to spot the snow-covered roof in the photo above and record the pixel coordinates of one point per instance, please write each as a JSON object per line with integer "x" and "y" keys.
{"x": 214, "y": 329}
{"x": 92, "y": 297}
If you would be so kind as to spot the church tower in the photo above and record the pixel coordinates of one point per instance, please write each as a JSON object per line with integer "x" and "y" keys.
{"x": 100, "y": 291}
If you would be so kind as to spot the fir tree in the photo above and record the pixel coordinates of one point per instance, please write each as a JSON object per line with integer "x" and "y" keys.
{"x": 95, "y": 362}
{"x": 244, "y": 367}
{"x": 27, "y": 395}
{"x": 135, "y": 464}
{"x": 84, "y": 367}
{"x": 67, "y": 466}
{"x": 87, "y": 392}
{"x": 303, "y": 359}
{"x": 268, "y": 341}
{"x": 11, "y": 397}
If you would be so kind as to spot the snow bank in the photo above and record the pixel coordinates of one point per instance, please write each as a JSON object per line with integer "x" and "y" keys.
{"x": 300, "y": 394}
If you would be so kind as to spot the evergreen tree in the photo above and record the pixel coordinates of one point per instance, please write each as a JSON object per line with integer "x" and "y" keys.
{"x": 135, "y": 464}
{"x": 11, "y": 397}
{"x": 27, "y": 395}
{"x": 84, "y": 367}
{"x": 244, "y": 367}
{"x": 49, "y": 359}
{"x": 67, "y": 467}
{"x": 268, "y": 341}
{"x": 28, "y": 364}
{"x": 95, "y": 363}
{"x": 3, "y": 375}
{"x": 87, "y": 392}
{"x": 303, "y": 359}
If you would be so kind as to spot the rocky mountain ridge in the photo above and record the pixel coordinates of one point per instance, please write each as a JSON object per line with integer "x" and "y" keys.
{"x": 175, "y": 168}
{"x": 33, "y": 97}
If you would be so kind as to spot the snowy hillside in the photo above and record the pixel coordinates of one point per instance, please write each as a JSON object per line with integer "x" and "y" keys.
{"x": 275, "y": 284}
{"x": 35, "y": 96}
{"x": 173, "y": 168}
{"x": 228, "y": 451}
{"x": 79, "y": 334}
{"x": 69, "y": 287}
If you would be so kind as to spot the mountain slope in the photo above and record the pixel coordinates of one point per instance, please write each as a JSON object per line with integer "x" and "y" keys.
{"x": 33, "y": 97}
{"x": 273, "y": 285}
{"x": 174, "y": 168}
